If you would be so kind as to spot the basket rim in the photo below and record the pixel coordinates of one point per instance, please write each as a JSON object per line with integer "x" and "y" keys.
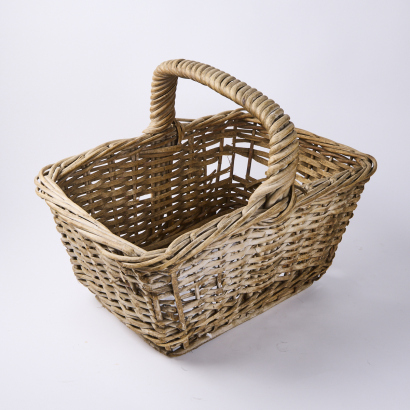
{"x": 195, "y": 240}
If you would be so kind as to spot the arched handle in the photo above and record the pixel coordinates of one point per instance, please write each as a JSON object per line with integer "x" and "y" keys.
{"x": 283, "y": 144}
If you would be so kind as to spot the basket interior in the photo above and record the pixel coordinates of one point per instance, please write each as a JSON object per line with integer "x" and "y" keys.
{"x": 151, "y": 192}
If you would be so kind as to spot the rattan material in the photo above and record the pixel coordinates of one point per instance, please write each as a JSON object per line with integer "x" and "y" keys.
{"x": 172, "y": 233}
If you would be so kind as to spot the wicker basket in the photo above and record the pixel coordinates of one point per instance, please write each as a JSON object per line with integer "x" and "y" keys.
{"x": 172, "y": 233}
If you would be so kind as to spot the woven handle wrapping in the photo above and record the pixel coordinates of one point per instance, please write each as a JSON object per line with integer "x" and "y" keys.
{"x": 283, "y": 145}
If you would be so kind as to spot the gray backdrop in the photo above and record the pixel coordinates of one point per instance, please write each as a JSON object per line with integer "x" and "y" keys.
{"x": 74, "y": 74}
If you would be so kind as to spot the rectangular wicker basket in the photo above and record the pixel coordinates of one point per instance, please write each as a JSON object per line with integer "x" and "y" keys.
{"x": 172, "y": 233}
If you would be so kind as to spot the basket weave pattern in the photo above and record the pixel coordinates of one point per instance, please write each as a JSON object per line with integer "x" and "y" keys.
{"x": 174, "y": 235}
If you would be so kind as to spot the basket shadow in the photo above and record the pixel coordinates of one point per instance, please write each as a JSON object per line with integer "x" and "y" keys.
{"x": 304, "y": 336}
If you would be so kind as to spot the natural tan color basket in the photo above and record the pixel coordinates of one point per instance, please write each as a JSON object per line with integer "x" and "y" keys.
{"x": 172, "y": 233}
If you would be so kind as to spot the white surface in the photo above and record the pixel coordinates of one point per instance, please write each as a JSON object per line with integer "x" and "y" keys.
{"x": 75, "y": 74}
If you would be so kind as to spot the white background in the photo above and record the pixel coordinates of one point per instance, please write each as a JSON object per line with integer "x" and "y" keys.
{"x": 75, "y": 74}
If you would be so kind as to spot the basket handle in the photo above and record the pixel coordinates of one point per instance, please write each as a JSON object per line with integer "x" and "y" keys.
{"x": 283, "y": 144}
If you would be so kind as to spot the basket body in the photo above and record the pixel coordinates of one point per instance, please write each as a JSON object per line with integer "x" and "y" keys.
{"x": 153, "y": 226}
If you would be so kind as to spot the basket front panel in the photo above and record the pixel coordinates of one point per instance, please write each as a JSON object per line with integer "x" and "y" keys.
{"x": 247, "y": 272}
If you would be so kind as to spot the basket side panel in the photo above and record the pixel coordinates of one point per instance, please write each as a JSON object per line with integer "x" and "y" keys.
{"x": 117, "y": 288}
